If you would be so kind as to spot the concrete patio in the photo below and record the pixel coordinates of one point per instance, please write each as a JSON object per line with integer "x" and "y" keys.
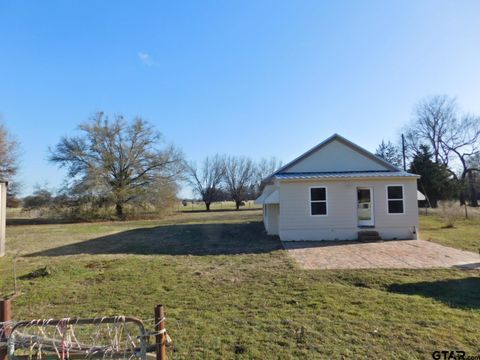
{"x": 396, "y": 254}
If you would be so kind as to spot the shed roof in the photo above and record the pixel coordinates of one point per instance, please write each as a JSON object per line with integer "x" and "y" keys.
{"x": 420, "y": 196}
{"x": 272, "y": 198}
{"x": 265, "y": 193}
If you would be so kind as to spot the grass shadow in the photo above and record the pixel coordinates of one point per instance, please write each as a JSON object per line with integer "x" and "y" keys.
{"x": 179, "y": 239}
{"x": 186, "y": 211}
{"x": 41, "y": 221}
{"x": 458, "y": 293}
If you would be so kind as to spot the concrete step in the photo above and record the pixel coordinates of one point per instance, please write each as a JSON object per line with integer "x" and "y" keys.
{"x": 369, "y": 235}
{"x": 369, "y": 238}
{"x": 368, "y": 232}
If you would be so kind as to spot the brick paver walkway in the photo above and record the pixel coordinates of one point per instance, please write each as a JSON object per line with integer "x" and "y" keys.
{"x": 385, "y": 254}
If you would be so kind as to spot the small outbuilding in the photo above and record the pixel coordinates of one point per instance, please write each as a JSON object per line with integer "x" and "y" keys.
{"x": 340, "y": 191}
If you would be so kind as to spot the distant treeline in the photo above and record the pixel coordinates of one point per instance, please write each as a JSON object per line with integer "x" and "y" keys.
{"x": 118, "y": 168}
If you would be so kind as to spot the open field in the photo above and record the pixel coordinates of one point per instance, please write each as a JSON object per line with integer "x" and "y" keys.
{"x": 44, "y": 215}
{"x": 215, "y": 206}
{"x": 232, "y": 292}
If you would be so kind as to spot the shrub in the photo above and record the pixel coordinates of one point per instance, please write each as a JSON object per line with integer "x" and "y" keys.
{"x": 451, "y": 213}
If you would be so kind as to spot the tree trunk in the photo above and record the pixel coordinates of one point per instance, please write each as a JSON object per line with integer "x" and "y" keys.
{"x": 473, "y": 198}
{"x": 473, "y": 191}
{"x": 207, "y": 205}
{"x": 119, "y": 211}
{"x": 237, "y": 204}
{"x": 463, "y": 188}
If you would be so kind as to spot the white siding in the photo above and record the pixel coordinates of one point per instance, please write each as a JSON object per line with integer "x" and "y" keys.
{"x": 336, "y": 156}
{"x": 272, "y": 219}
{"x": 341, "y": 223}
{"x": 264, "y": 213}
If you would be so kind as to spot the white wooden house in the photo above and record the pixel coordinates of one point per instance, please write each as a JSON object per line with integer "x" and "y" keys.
{"x": 340, "y": 191}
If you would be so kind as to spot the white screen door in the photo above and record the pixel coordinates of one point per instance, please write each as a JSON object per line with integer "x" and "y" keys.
{"x": 365, "y": 206}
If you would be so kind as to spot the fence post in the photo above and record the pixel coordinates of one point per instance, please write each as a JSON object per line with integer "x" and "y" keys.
{"x": 161, "y": 336}
{"x": 5, "y": 315}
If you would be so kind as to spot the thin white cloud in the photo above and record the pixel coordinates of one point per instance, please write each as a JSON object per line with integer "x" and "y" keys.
{"x": 146, "y": 59}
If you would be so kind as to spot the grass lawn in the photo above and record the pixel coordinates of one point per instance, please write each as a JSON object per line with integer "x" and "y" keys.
{"x": 232, "y": 292}
{"x": 465, "y": 235}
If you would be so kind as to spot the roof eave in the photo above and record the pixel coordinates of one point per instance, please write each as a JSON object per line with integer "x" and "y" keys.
{"x": 324, "y": 178}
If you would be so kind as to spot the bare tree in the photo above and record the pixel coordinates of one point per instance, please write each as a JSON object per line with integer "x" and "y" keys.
{"x": 433, "y": 119}
{"x": 206, "y": 180}
{"x": 9, "y": 154}
{"x": 264, "y": 168}
{"x": 462, "y": 144}
{"x": 117, "y": 159}
{"x": 390, "y": 153}
{"x": 239, "y": 173}
{"x": 40, "y": 198}
{"x": 454, "y": 139}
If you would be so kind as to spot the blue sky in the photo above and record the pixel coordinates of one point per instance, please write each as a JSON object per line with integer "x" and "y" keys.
{"x": 256, "y": 78}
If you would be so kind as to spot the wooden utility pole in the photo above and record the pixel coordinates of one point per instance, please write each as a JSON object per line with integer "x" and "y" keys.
{"x": 161, "y": 335}
{"x": 403, "y": 154}
{"x": 3, "y": 216}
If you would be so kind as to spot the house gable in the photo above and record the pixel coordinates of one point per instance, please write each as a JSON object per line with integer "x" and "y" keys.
{"x": 336, "y": 154}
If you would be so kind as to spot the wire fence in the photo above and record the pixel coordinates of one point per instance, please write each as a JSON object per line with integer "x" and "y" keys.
{"x": 117, "y": 337}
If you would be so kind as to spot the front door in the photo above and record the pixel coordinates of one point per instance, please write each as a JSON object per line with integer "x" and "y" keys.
{"x": 365, "y": 206}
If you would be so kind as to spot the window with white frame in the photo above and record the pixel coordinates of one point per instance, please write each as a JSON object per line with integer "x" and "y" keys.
{"x": 395, "y": 199}
{"x": 318, "y": 201}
